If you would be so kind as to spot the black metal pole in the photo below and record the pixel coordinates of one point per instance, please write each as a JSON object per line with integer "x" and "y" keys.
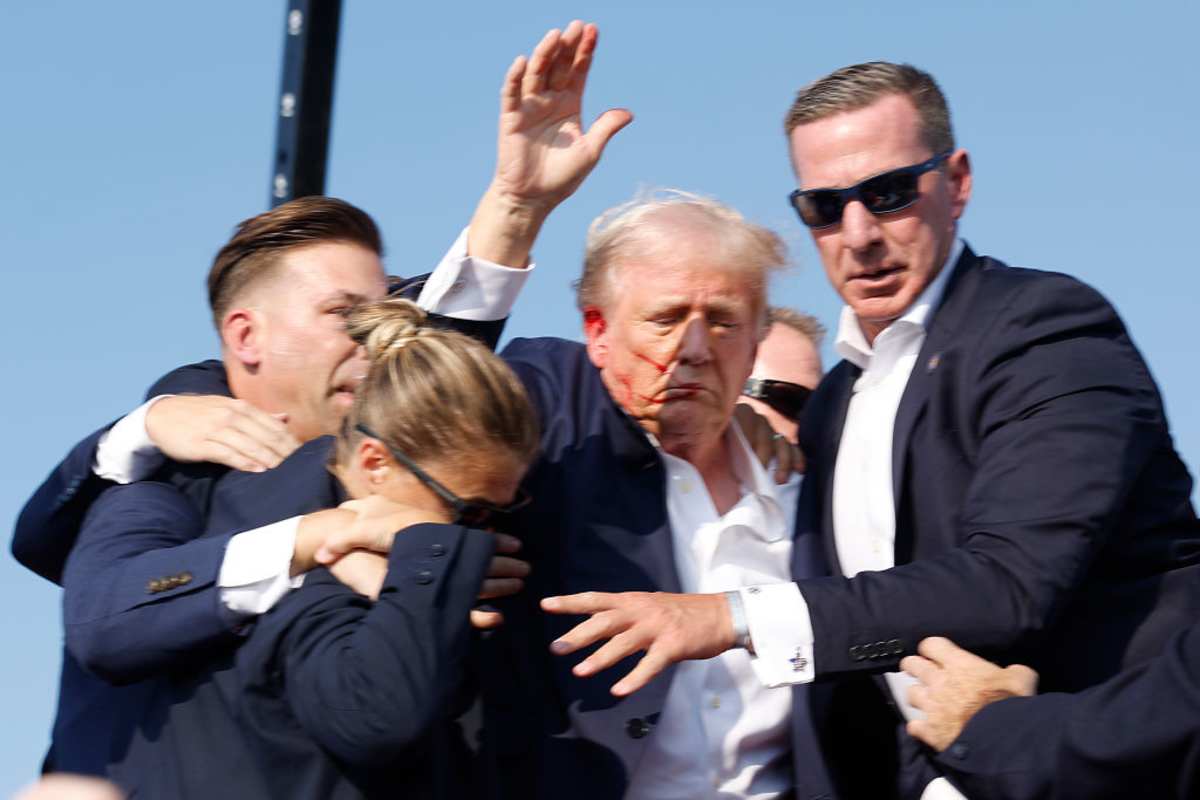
{"x": 305, "y": 98}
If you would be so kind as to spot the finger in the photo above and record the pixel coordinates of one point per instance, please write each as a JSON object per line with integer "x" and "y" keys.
{"x": 510, "y": 90}
{"x": 623, "y": 644}
{"x": 559, "y": 75}
{"x": 267, "y": 431}
{"x": 221, "y": 453}
{"x": 505, "y": 567}
{"x": 486, "y": 620}
{"x": 499, "y": 587}
{"x": 601, "y": 626}
{"x": 583, "y": 57}
{"x": 507, "y": 544}
{"x": 582, "y": 603}
{"x": 539, "y": 63}
{"x": 1025, "y": 680}
{"x": 920, "y": 668}
{"x": 757, "y": 432}
{"x": 785, "y": 458}
{"x": 606, "y": 127}
{"x": 918, "y": 697}
{"x": 246, "y": 445}
{"x": 938, "y": 649}
{"x": 651, "y": 664}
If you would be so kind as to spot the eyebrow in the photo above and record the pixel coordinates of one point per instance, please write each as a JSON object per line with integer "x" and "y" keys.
{"x": 353, "y": 298}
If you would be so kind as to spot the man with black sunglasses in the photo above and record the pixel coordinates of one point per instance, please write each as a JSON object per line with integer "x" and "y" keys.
{"x": 991, "y": 462}
{"x": 786, "y": 369}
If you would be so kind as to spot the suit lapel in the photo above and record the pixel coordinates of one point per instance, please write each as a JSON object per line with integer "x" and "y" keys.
{"x": 941, "y": 327}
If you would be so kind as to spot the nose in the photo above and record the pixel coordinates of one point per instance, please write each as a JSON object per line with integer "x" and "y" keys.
{"x": 695, "y": 341}
{"x": 860, "y": 228}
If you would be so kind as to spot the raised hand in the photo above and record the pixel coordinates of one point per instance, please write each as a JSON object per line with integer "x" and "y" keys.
{"x": 543, "y": 151}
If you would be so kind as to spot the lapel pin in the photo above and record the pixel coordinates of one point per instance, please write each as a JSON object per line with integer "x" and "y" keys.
{"x": 934, "y": 360}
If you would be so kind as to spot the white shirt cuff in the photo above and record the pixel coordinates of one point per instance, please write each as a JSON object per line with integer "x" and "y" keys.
{"x": 941, "y": 789}
{"x": 781, "y": 632}
{"x": 255, "y": 573}
{"x": 125, "y": 453}
{"x": 471, "y": 288}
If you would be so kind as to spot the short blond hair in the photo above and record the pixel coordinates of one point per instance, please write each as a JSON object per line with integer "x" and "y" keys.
{"x": 806, "y": 325}
{"x": 859, "y": 85}
{"x": 434, "y": 393}
{"x": 638, "y": 226}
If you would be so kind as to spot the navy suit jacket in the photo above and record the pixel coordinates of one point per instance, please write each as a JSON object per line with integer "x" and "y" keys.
{"x": 185, "y": 615}
{"x": 1042, "y": 514}
{"x": 330, "y": 695}
{"x": 1137, "y": 735}
{"x": 598, "y": 522}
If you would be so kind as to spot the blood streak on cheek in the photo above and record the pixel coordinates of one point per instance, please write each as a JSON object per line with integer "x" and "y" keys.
{"x": 662, "y": 368}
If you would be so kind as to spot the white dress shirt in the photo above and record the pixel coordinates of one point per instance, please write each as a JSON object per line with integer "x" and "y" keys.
{"x": 254, "y": 573}
{"x": 721, "y": 733}
{"x": 864, "y": 513}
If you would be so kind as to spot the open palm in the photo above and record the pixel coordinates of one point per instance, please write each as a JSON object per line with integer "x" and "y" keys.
{"x": 543, "y": 151}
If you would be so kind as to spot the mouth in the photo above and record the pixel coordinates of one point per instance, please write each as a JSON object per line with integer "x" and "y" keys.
{"x": 682, "y": 391}
{"x": 878, "y": 279}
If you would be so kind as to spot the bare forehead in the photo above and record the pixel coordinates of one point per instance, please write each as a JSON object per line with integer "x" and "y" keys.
{"x": 842, "y": 149}
{"x": 334, "y": 268}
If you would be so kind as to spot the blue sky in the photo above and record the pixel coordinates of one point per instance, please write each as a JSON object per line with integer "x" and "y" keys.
{"x": 136, "y": 134}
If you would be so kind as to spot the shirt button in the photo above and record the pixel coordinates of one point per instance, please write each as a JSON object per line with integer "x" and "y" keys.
{"x": 686, "y": 486}
{"x": 715, "y": 702}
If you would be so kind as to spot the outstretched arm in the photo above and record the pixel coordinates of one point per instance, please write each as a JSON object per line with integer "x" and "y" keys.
{"x": 543, "y": 152}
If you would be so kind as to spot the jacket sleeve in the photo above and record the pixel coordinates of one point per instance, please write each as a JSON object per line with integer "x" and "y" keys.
{"x": 368, "y": 680}
{"x": 1137, "y": 735}
{"x": 49, "y": 522}
{"x": 140, "y": 587}
{"x": 1066, "y": 420}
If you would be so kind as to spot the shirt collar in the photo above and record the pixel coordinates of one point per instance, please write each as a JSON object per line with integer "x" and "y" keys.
{"x": 851, "y": 344}
{"x": 751, "y": 475}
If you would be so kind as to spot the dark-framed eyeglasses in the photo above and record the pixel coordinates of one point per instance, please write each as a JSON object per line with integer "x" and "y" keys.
{"x": 472, "y": 513}
{"x": 784, "y": 396}
{"x": 884, "y": 193}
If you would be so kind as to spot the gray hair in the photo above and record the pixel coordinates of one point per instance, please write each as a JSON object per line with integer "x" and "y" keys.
{"x": 638, "y": 227}
{"x": 860, "y": 85}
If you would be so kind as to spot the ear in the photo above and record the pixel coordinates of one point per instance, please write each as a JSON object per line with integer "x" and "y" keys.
{"x": 959, "y": 165}
{"x": 595, "y": 330}
{"x": 373, "y": 461}
{"x": 243, "y": 333}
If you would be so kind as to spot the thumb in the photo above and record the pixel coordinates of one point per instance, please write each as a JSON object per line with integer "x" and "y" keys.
{"x": 606, "y": 127}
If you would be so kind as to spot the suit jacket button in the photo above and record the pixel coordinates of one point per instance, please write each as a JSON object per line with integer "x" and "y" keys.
{"x": 185, "y": 577}
{"x": 154, "y": 587}
{"x": 856, "y": 652}
{"x": 437, "y": 550}
{"x": 960, "y": 750}
{"x": 637, "y": 728}
{"x": 897, "y": 647}
{"x": 424, "y": 577}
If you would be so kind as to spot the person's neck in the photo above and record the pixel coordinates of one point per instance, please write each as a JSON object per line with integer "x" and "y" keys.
{"x": 711, "y": 458}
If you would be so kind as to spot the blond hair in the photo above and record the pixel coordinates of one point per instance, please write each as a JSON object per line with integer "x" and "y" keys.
{"x": 434, "y": 393}
{"x": 859, "y": 85}
{"x": 645, "y": 226}
{"x": 806, "y": 325}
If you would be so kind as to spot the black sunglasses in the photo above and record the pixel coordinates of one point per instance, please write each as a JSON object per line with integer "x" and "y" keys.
{"x": 472, "y": 513}
{"x": 785, "y": 397}
{"x": 880, "y": 194}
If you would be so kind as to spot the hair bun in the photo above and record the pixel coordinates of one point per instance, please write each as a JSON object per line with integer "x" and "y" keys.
{"x": 385, "y": 325}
